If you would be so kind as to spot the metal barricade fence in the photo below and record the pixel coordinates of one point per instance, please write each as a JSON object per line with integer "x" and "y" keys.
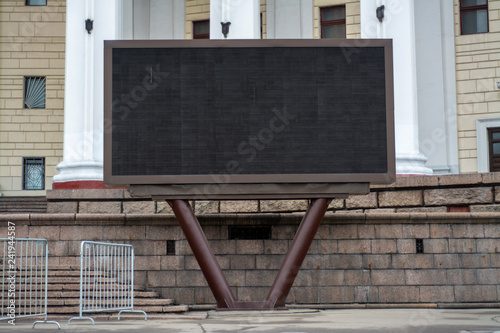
{"x": 106, "y": 279}
{"x": 24, "y": 271}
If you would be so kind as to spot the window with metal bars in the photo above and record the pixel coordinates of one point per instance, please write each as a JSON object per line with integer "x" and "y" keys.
{"x": 34, "y": 92}
{"x": 473, "y": 16}
{"x": 333, "y": 22}
{"x": 201, "y": 29}
{"x": 419, "y": 245}
{"x": 33, "y": 173}
{"x": 494, "y": 148}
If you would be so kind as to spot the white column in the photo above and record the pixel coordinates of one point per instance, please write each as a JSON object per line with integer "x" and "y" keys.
{"x": 399, "y": 25}
{"x": 141, "y": 9}
{"x": 83, "y": 99}
{"x": 244, "y": 16}
{"x": 167, "y": 19}
{"x": 289, "y": 19}
{"x": 436, "y": 84}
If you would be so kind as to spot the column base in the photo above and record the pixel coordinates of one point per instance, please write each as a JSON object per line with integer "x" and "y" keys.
{"x": 84, "y": 174}
{"x": 412, "y": 164}
{"x": 83, "y": 185}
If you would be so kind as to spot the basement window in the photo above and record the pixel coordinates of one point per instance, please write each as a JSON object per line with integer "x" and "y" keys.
{"x": 249, "y": 232}
{"x": 419, "y": 244}
{"x": 33, "y": 173}
{"x": 170, "y": 247}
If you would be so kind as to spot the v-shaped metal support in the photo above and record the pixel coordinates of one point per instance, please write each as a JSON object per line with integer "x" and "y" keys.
{"x": 214, "y": 275}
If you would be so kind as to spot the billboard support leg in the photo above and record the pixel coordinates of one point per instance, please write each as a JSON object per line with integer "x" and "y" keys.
{"x": 297, "y": 252}
{"x": 201, "y": 249}
{"x": 214, "y": 275}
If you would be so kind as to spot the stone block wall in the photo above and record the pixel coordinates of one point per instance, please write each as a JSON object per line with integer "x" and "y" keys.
{"x": 479, "y": 192}
{"x": 364, "y": 254}
{"x": 363, "y": 259}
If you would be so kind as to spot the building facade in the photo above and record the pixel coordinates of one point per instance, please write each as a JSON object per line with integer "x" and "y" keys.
{"x": 446, "y": 72}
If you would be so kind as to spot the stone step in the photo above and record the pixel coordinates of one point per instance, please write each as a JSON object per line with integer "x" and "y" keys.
{"x": 195, "y": 315}
{"x": 63, "y": 293}
{"x": 64, "y": 268}
{"x": 145, "y": 308}
{"x": 23, "y": 205}
{"x": 65, "y": 273}
{"x": 54, "y": 275}
{"x": 76, "y": 294}
{"x": 20, "y": 278}
{"x": 137, "y": 301}
{"x": 76, "y": 286}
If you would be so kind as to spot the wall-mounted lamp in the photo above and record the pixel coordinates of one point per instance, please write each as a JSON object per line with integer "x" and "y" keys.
{"x": 89, "y": 25}
{"x": 380, "y": 13}
{"x": 225, "y": 28}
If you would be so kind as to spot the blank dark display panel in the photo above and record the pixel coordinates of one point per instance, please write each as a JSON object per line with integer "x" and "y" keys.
{"x": 288, "y": 110}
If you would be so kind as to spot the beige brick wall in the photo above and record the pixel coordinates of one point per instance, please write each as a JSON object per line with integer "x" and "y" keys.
{"x": 478, "y": 70}
{"x": 32, "y": 44}
{"x": 196, "y": 10}
{"x": 263, "y": 11}
{"x": 353, "y": 26}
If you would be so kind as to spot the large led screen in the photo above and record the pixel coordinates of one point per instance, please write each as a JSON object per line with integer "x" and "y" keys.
{"x": 267, "y": 111}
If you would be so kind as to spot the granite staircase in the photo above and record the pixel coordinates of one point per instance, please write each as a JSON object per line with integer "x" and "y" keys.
{"x": 14, "y": 205}
{"x": 63, "y": 295}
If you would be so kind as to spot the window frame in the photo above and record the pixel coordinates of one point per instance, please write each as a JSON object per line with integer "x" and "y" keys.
{"x": 323, "y": 23}
{"x": 24, "y": 175}
{"x": 491, "y": 141}
{"x": 482, "y": 125}
{"x": 473, "y": 9}
{"x": 201, "y": 36}
{"x": 25, "y": 79}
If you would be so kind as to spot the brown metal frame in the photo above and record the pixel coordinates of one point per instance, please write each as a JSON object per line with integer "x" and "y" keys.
{"x": 249, "y": 191}
{"x": 198, "y": 183}
{"x": 214, "y": 275}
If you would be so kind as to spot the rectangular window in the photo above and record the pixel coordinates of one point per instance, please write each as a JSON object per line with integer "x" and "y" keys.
{"x": 34, "y": 92}
{"x": 332, "y": 22}
{"x": 170, "y": 247}
{"x": 494, "y": 148}
{"x": 473, "y": 16}
{"x": 249, "y": 232}
{"x": 201, "y": 29}
{"x": 36, "y": 2}
{"x": 419, "y": 245}
{"x": 33, "y": 173}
